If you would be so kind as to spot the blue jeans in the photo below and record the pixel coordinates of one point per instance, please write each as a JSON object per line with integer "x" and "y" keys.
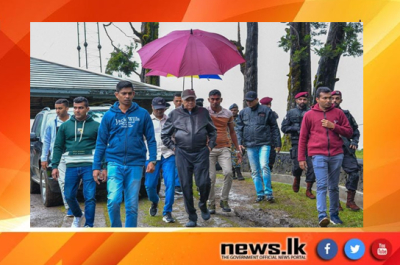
{"x": 327, "y": 171}
{"x": 126, "y": 179}
{"x": 73, "y": 176}
{"x": 259, "y": 158}
{"x": 168, "y": 167}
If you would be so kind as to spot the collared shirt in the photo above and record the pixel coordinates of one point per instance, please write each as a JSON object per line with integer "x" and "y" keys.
{"x": 162, "y": 150}
{"x": 221, "y": 120}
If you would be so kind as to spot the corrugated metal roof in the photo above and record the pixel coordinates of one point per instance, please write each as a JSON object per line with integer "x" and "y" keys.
{"x": 49, "y": 75}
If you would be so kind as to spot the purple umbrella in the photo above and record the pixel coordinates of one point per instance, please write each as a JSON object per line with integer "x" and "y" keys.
{"x": 190, "y": 52}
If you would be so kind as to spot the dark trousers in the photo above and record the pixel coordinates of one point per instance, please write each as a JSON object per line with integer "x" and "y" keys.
{"x": 198, "y": 164}
{"x": 351, "y": 167}
{"x": 296, "y": 170}
{"x": 272, "y": 157}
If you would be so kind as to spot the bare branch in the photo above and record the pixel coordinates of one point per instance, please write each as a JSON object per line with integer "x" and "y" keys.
{"x": 112, "y": 42}
{"x": 137, "y": 33}
{"x": 132, "y": 37}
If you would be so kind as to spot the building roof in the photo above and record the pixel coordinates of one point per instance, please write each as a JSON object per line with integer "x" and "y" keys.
{"x": 49, "y": 79}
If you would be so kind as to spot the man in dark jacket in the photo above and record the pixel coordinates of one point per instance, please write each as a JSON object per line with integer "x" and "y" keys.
{"x": 257, "y": 130}
{"x": 120, "y": 141}
{"x": 320, "y": 135}
{"x": 267, "y": 101}
{"x": 195, "y": 136}
{"x": 350, "y": 164}
{"x": 291, "y": 124}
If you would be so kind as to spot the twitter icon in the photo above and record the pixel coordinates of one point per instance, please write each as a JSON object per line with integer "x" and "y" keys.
{"x": 354, "y": 249}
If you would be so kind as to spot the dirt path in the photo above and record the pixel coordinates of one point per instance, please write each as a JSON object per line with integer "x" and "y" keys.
{"x": 245, "y": 212}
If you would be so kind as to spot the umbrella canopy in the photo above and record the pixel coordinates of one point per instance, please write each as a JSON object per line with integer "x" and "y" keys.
{"x": 190, "y": 52}
{"x": 159, "y": 73}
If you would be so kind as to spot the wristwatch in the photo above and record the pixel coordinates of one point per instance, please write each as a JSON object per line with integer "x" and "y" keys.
{"x": 154, "y": 162}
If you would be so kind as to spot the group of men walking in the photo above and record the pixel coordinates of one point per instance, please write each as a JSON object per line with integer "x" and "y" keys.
{"x": 188, "y": 143}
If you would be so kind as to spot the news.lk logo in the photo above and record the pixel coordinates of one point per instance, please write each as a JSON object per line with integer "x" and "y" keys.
{"x": 381, "y": 249}
{"x": 295, "y": 250}
{"x": 327, "y": 249}
{"x": 354, "y": 249}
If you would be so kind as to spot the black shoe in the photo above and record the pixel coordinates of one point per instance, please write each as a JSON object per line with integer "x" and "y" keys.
{"x": 239, "y": 174}
{"x": 260, "y": 198}
{"x": 270, "y": 199}
{"x": 178, "y": 190}
{"x": 225, "y": 206}
{"x": 153, "y": 209}
{"x": 168, "y": 218}
{"x": 205, "y": 214}
{"x": 191, "y": 224}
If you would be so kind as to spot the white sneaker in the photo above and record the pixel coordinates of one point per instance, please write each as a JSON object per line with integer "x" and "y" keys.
{"x": 77, "y": 221}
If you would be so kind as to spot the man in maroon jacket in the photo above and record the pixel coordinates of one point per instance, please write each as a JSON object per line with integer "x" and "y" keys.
{"x": 320, "y": 133}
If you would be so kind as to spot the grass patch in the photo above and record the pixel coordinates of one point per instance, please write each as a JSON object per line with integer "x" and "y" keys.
{"x": 154, "y": 221}
{"x": 297, "y": 205}
{"x": 360, "y": 154}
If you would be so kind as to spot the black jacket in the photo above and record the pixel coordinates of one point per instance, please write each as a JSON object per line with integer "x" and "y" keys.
{"x": 191, "y": 131}
{"x": 292, "y": 122}
{"x": 356, "y": 133}
{"x": 257, "y": 126}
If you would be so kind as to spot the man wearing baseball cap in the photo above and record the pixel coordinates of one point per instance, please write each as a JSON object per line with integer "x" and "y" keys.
{"x": 349, "y": 164}
{"x": 195, "y": 137}
{"x": 291, "y": 125}
{"x": 165, "y": 161}
{"x": 257, "y": 130}
{"x": 267, "y": 101}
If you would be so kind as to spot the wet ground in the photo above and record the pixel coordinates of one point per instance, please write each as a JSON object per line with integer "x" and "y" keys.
{"x": 245, "y": 212}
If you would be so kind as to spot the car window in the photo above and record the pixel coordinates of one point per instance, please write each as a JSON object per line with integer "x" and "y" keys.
{"x": 37, "y": 124}
{"x": 97, "y": 114}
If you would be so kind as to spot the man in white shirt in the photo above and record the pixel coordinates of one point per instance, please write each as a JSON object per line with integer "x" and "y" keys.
{"x": 165, "y": 161}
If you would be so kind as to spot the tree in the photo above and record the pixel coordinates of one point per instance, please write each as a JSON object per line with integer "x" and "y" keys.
{"x": 251, "y": 57}
{"x": 298, "y": 41}
{"x": 249, "y": 68}
{"x": 121, "y": 60}
{"x": 342, "y": 40}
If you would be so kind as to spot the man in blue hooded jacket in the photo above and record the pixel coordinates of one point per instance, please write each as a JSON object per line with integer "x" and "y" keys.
{"x": 121, "y": 140}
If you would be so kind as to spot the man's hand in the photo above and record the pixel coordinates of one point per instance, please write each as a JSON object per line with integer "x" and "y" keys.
{"x": 327, "y": 124}
{"x": 353, "y": 146}
{"x": 303, "y": 165}
{"x": 55, "y": 174}
{"x": 209, "y": 148}
{"x": 239, "y": 157}
{"x": 277, "y": 149}
{"x": 150, "y": 168}
{"x": 44, "y": 165}
{"x": 242, "y": 148}
{"x": 99, "y": 176}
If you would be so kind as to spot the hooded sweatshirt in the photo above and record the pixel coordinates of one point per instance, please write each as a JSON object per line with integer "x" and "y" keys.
{"x": 121, "y": 137}
{"x": 319, "y": 140}
{"x": 78, "y": 140}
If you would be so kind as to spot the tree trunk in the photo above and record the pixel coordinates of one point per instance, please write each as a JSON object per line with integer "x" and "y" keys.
{"x": 149, "y": 32}
{"x": 251, "y": 56}
{"x": 328, "y": 64}
{"x": 300, "y": 69}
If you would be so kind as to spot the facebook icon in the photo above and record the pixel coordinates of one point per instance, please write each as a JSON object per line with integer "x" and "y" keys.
{"x": 327, "y": 249}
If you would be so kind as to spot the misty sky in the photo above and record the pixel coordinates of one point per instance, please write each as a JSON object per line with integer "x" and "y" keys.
{"x": 57, "y": 42}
